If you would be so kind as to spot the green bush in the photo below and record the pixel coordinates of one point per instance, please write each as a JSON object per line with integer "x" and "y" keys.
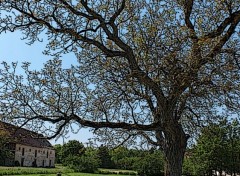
{"x": 150, "y": 165}
{"x": 88, "y": 162}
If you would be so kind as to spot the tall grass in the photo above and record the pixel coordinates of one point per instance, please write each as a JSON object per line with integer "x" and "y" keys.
{"x": 29, "y": 170}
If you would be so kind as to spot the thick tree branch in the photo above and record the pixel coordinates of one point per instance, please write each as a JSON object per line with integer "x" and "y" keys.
{"x": 217, "y": 48}
{"x": 114, "y": 125}
{"x": 188, "y": 6}
{"x": 220, "y": 29}
{"x": 129, "y": 54}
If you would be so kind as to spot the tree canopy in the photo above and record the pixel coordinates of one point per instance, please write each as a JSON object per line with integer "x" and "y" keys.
{"x": 217, "y": 149}
{"x": 155, "y": 69}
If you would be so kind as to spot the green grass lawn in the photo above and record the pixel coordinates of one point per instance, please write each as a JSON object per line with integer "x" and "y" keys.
{"x": 72, "y": 174}
{"x": 29, "y": 171}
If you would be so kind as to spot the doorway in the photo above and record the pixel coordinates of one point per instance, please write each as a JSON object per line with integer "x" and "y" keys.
{"x": 22, "y": 162}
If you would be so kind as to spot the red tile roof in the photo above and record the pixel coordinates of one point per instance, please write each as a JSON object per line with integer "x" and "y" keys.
{"x": 23, "y": 136}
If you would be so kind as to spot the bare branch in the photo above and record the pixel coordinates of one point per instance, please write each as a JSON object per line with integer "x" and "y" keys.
{"x": 233, "y": 20}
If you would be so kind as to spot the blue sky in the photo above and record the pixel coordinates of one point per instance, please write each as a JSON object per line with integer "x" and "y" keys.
{"x": 13, "y": 49}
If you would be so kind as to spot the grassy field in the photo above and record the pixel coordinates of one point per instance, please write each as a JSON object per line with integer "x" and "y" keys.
{"x": 72, "y": 174}
{"x": 28, "y": 171}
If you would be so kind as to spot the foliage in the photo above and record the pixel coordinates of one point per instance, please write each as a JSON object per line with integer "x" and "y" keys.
{"x": 154, "y": 70}
{"x": 118, "y": 157}
{"x": 5, "y": 153}
{"x": 88, "y": 162}
{"x": 150, "y": 165}
{"x": 74, "y": 155}
{"x": 189, "y": 166}
{"x": 145, "y": 162}
{"x": 72, "y": 150}
{"x": 104, "y": 157}
{"x": 233, "y": 147}
{"x": 217, "y": 149}
{"x": 58, "y": 153}
{"x": 124, "y": 158}
{"x": 148, "y": 162}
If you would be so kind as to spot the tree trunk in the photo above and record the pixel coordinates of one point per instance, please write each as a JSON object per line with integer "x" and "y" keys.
{"x": 174, "y": 149}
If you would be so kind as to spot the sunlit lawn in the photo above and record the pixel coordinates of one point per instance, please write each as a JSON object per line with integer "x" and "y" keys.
{"x": 72, "y": 174}
{"x": 28, "y": 171}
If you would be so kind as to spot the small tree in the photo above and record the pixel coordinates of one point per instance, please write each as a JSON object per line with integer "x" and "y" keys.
{"x": 152, "y": 164}
{"x": 104, "y": 156}
{"x": 74, "y": 155}
{"x": 121, "y": 158}
{"x": 72, "y": 149}
{"x": 88, "y": 162}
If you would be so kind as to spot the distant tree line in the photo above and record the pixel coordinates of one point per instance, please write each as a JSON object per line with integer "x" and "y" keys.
{"x": 88, "y": 159}
{"x": 217, "y": 149}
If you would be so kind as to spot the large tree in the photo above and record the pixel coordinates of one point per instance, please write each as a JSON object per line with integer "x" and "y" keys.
{"x": 145, "y": 68}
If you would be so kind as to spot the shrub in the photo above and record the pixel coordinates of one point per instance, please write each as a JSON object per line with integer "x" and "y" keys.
{"x": 89, "y": 162}
{"x": 118, "y": 172}
{"x": 150, "y": 165}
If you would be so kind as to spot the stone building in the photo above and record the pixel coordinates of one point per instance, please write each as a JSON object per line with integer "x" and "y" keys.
{"x": 29, "y": 148}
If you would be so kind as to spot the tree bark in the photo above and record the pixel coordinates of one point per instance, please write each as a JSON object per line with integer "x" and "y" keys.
{"x": 174, "y": 149}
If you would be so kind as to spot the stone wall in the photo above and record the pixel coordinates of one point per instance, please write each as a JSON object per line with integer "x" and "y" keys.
{"x": 33, "y": 156}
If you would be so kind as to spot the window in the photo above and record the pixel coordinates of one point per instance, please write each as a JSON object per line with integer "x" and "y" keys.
{"x": 30, "y": 150}
{"x": 47, "y": 154}
{"x": 35, "y": 153}
{"x": 34, "y": 164}
{"x": 19, "y": 148}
